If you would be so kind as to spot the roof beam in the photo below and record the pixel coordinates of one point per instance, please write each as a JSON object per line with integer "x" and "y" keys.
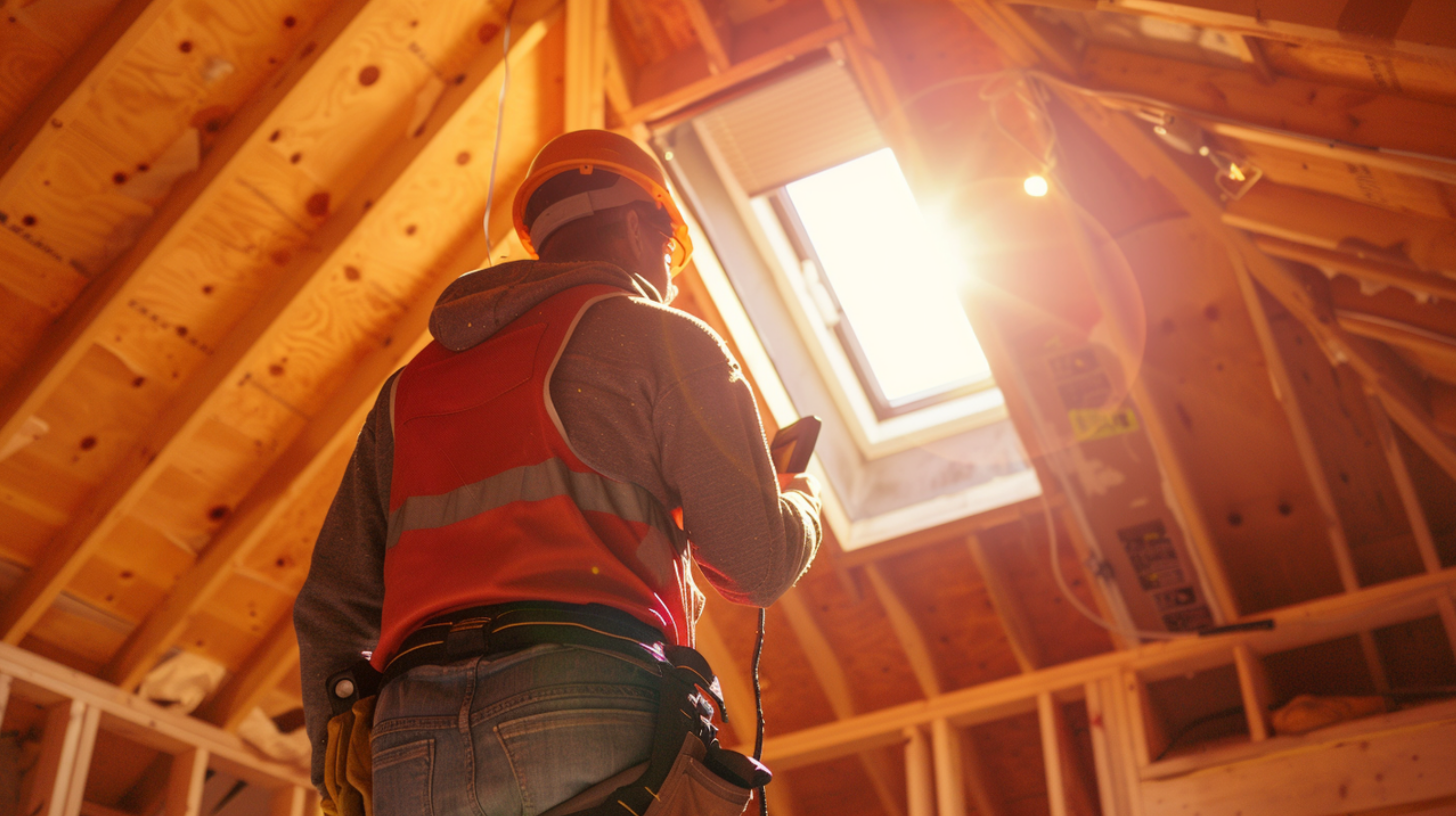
{"x": 72, "y": 88}
{"x": 1401, "y": 394}
{"x": 1411, "y": 29}
{"x": 1335, "y": 223}
{"x": 274, "y": 659}
{"x": 912, "y": 639}
{"x": 1009, "y": 611}
{"x": 187, "y": 411}
{"x": 107, "y": 295}
{"x": 716, "y": 42}
{"x": 333, "y": 428}
{"x": 1325, "y": 113}
{"x": 586, "y": 63}
{"x": 694, "y": 92}
{"x": 826, "y": 667}
{"x": 1371, "y": 270}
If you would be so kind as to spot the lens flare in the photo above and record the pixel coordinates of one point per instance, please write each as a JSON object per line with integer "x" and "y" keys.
{"x": 1035, "y": 186}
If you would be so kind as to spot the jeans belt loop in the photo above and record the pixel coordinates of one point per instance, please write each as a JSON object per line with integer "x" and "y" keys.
{"x": 467, "y": 640}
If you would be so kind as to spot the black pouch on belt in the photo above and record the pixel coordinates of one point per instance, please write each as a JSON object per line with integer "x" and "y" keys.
{"x": 688, "y": 773}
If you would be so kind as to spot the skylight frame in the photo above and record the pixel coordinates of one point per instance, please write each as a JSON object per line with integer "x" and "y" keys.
{"x": 843, "y": 329}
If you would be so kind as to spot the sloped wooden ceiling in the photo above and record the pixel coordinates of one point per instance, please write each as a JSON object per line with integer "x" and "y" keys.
{"x": 222, "y": 225}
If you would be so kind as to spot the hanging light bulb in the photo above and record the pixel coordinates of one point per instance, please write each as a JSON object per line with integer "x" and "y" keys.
{"x": 1035, "y": 186}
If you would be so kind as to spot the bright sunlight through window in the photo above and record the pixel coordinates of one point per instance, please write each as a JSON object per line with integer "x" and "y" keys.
{"x": 894, "y": 278}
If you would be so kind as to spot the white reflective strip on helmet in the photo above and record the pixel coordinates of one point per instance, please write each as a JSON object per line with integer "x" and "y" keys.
{"x": 583, "y": 205}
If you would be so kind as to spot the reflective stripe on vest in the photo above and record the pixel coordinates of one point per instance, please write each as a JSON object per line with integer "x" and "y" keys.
{"x": 489, "y": 503}
{"x": 589, "y": 491}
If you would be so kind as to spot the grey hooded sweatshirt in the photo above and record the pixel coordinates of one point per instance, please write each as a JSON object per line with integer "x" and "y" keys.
{"x": 647, "y": 394}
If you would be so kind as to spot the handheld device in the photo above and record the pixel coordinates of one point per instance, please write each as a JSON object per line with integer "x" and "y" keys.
{"x": 794, "y": 444}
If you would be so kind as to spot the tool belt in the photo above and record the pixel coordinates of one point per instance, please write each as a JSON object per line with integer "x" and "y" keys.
{"x": 687, "y": 772}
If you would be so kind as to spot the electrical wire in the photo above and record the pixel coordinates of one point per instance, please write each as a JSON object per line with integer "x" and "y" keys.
{"x": 500, "y": 118}
{"x": 758, "y": 705}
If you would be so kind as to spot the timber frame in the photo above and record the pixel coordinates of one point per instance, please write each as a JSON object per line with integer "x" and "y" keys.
{"x": 218, "y": 238}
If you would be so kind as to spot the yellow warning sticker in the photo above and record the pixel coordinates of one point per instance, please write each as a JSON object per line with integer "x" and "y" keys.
{"x": 1095, "y": 423}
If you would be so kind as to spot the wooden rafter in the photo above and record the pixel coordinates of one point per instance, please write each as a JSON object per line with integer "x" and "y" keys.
{"x": 1404, "y": 29}
{"x": 912, "y": 639}
{"x": 715, "y": 41}
{"x": 189, "y": 409}
{"x": 275, "y": 659}
{"x": 1335, "y": 223}
{"x": 1398, "y": 391}
{"x": 586, "y": 63}
{"x": 107, "y": 295}
{"x": 673, "y": 101}
{"x": 72, "y": 88}
{"x": 329, "y": 431}
{"x": 1304, "y": 439}
{"x": 1370, "y": 270}
{"x": 73, "y": 335}
{"x": 1323, "y": 112}
{"x": 1009, "y": 610}
{"x": 835, "y": 683}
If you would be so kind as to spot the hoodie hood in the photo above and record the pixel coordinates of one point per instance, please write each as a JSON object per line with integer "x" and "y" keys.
{"x": 480, "y": 303}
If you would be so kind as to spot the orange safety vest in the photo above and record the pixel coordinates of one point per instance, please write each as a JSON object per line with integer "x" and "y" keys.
{"x": 489, "y": 504}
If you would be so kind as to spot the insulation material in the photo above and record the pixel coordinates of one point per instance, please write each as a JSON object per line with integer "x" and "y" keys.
{"x": 182, "y": 681}
{"x": 260, "y": 732}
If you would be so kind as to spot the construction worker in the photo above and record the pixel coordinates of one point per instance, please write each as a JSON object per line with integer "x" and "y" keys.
{"x": 526, "y": 464}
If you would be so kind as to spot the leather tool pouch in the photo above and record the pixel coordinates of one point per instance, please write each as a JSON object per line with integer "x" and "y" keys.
{"x": 348, "y": 763}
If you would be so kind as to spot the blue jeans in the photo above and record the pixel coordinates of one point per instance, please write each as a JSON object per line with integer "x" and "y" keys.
{"x": 509, "y": 734}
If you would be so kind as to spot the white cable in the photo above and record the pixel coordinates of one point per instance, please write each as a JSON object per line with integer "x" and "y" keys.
{"x": 500, "y": 117}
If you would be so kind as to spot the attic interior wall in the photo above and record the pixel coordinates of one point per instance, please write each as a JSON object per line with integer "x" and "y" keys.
{"x": 250, "y": 132}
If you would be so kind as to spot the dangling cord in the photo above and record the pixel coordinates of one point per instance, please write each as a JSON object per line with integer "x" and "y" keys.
{"x": 500, "y": 118}
{"x": 758, "y": 706}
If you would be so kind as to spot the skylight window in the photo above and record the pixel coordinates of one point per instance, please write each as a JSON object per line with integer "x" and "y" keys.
{"x": 889, "y": 283}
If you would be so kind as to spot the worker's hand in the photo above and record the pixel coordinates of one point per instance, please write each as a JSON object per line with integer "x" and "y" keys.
{"x": 802, "y": 482}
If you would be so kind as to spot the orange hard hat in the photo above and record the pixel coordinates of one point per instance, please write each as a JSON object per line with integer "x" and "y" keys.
{"x": 584, "y": 151}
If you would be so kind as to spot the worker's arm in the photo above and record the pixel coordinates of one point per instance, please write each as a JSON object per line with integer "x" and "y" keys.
{"x": 337, "y": 612}
{"x": 650, "y": 395}
{"x": 752, "y": 539}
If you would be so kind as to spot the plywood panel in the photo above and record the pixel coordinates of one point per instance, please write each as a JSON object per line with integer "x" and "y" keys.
{"x": 863, "y": 641}
{"x": 1437, "y": 492}
{"x": 792, "y": 697}
{"x": 1012, "y": 764}
{"x": 35, "y": 274}
{"x": 285, "y": 553}
{"x": 1023, "y": 555}
{"x": 839, "y": 786}
{"x": 1353, "y": 464}
{"x": 81, "y": 642}
{"x": 1417, "y": 655}
{"x": 130, "y": 575}
{"x": 947, "y": 598}
{"x": 1205, "y": 370}
{"x": 92, "y": 424}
